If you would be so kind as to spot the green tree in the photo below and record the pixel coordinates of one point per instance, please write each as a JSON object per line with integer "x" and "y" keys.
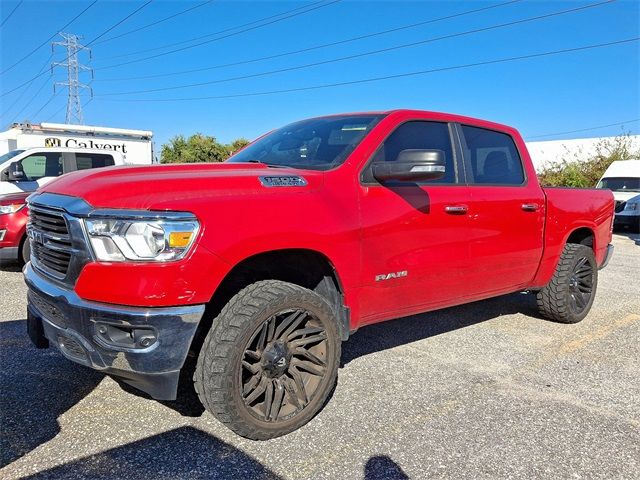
{"x": 198, "y": 148}
{"x": 237, "y": 144}
{"x": 577, "y": 171}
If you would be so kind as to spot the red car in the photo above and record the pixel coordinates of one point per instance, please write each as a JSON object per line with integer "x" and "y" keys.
{"x": 261, "y": 266}
{"x": 13, "y": 226}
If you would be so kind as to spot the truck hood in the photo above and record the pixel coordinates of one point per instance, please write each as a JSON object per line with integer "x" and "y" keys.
{"x": 621, "y": 196}
{"x": 166, "y": 187}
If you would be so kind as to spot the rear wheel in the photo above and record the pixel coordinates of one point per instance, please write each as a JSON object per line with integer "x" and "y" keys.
{"x": 270, "y": 360}
{"x": 568, "y": 297}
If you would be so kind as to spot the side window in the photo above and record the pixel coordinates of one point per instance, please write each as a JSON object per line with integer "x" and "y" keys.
{"x": 493, "y": 157}
{"x": 422, "y": 136}
{"x": 85, "y": 161}
{"x": 41, "y": 165}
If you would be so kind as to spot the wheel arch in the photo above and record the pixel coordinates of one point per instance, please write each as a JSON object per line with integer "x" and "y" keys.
{"x": 582, "y": 235}
{"x": 301, "y": 266}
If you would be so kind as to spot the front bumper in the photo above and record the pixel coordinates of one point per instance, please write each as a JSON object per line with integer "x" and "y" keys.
{"x": 145, "y": 347}
{"x": 8, "y": 253}
{"x": 631, "y": 221}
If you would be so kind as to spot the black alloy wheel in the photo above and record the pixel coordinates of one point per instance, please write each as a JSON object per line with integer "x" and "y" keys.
{"x": 283, "y": 365}
{"x": 580, "y": 286}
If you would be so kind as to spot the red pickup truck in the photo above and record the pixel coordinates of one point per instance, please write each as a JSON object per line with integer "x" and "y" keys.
{"x": 261, "y": 266}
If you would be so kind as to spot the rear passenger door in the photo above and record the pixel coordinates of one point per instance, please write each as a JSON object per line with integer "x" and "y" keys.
{"x": 506, "y": 211}
{"x": 85, "y": 161}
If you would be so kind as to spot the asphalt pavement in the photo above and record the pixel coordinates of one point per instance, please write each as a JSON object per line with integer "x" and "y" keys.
{"x": 485, "y": 390}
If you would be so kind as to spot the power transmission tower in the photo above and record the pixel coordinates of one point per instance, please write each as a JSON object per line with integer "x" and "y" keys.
{"x": 73, "y": 48}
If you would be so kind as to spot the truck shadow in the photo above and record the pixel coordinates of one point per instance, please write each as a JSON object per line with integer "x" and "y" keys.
{"x": 9, "y": 266}
{"x": 386, "y": 335}
{"x": 188, "y": 452}
{"x": 37, "y": 387}
{"x": 185, "y": 452}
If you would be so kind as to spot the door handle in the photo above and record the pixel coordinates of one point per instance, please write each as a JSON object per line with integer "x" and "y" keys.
{"x": 456, "y": 209}
{"x": 530, "y": 207}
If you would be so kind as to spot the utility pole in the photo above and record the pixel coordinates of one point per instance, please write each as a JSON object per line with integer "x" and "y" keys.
{"x": 74, "y": 68}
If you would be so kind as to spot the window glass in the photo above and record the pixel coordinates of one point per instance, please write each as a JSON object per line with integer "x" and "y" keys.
{"x": 493, "y": 156}
{"x": 85, "y": 161}
{"x": 41, "y": 165}
{"x": 9, "y": 155}
{"x": 317, "y": 143}
{"x": 620, "y": 184}
{"x": 419, "y": 135}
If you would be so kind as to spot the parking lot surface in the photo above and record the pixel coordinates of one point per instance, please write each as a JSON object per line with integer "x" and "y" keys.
{"x": 486, "y": 390}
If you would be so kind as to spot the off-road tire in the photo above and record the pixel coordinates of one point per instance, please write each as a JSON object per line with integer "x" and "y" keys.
{"x": 554, "y": 300}
{"x": 218, "y": 373}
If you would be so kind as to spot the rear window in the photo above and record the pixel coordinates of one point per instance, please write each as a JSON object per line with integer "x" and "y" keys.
{"x": 493, "y": 157}
{"x": 85, "y": 161}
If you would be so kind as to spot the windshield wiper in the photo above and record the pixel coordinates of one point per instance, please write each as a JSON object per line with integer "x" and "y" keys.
{"x": 270, "y": 165}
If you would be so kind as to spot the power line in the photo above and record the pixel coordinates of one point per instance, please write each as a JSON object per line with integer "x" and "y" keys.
{"x": 182, "y": 42}
{"x": 88, "y": 44}
{"x": 316, "y": 47}
{"x": 584, "y": 129}
{"x": 387, "y": 77}
{"x": 11, "y": 13}
{"x": 220, "y": 38}
{"x": 26, "y": 105}
{"x": 182, "y": 12}
{"x": 43, "y": 106}
{"x": 120, "y": 22}
{"x": 19, "y": 97}
{"x": 57, "y": 112}
{"x": 359, "y": 55}
{"x": 50, "y": 38}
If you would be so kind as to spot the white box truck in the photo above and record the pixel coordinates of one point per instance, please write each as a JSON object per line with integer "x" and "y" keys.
{"x": 33, "y": 154}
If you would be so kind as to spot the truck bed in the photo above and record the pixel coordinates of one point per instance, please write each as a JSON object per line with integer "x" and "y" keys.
{"x": 568, "y": 209}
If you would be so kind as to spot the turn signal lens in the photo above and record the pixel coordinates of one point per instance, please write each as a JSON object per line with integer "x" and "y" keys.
{"x": 180, "y": 239}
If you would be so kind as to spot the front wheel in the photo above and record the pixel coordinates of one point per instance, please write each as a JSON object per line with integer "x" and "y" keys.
{"x": 568, "y": 297}
{"x": 25, "y": 251}
{"x": 270, "y": 360}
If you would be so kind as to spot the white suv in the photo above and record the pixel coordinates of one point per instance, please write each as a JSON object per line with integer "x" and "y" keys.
{"x": 27, "y": 170}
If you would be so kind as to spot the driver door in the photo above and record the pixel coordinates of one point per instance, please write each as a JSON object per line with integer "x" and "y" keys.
{"x": 414, "y": 234}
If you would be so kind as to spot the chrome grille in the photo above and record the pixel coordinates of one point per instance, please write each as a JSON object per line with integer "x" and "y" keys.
{"x": 51, "y": 245}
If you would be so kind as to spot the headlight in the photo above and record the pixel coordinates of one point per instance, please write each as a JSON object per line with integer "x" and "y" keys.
{"x": 632, "y": 207}
{"x": 11, "y": 208}
{"x": 119, "y": 240}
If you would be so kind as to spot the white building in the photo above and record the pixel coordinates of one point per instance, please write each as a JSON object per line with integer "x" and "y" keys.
{"x": 547, "y": 152}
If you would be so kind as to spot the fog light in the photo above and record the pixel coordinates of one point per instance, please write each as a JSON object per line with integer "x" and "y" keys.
{"x": 126, "y": 336}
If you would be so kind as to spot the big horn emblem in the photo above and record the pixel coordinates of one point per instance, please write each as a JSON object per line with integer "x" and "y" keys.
{"x": 51, "y": 142}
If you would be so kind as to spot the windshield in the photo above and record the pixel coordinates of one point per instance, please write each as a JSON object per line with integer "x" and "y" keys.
{"x": 9, "y": 155}
{"x": 317, "y": 143}
{"x": 621, "y": 184}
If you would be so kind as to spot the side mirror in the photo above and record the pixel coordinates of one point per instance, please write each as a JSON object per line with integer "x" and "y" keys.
{"x": 16, "y": 172}
{"x": 412, "y": 165}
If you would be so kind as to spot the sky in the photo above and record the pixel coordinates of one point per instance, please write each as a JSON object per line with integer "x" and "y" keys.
{"x": 542, "y": 96}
